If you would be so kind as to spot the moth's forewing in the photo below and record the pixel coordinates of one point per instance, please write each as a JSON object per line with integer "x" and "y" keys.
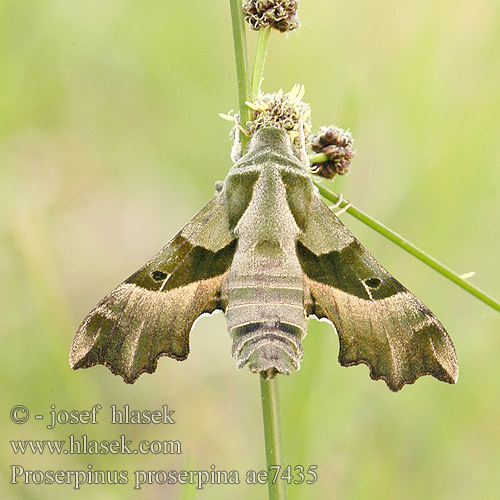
{"x": 379, "y": 322}
{"x": 151, "y": 313}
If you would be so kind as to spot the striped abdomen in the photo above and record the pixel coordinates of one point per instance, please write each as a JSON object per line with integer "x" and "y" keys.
{"x": 265, "y": 312}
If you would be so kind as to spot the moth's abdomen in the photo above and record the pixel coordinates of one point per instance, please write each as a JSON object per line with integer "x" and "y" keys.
{"x": 265, "y": 314}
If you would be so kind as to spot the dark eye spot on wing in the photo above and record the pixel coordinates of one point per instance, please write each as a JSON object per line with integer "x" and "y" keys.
{"x": 158, "y": 275}
{"x": 373, "y": 282}
{"x": 350, "y": 271}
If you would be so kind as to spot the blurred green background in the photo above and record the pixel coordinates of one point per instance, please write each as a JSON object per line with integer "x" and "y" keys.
{"x": 110, "y": 141}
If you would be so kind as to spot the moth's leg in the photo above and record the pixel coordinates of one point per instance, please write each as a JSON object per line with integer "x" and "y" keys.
{"x": 337, "y": 205}
{"x": 340, "y": 211}
{"x": 218, "y": 186}
{"x": 303, "y": 157}
{"x": 338, "y": 202}
{"x": 236, "y": 150}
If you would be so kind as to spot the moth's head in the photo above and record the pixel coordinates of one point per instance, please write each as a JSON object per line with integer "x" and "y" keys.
{"x": 271, "y": 137}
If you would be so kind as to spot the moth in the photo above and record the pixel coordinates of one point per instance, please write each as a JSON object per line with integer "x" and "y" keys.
{"x": 268, "y": 253}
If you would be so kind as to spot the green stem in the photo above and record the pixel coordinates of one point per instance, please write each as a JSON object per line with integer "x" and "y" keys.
{"x": 318, "y": 158}
{"x": 272, "y": 436}
{"x": 409, "y": 247}
{"x": 260, "y": 59}
{"x": 241, "y": 58}
{"x": 269, "y": 390}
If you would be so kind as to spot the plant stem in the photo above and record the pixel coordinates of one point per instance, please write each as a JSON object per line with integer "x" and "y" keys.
{"x": 260, "y": 59}
{"x": 318, "y": 158}
{"x": 411, "y": 248}
{"x": 272, "y": 436}
{"x": 241, "y": 58}
{"x": 269, "y": 389}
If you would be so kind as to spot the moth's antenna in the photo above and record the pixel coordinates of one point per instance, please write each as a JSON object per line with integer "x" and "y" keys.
{"x": 235, "y": 134}
{"x": 303, "y": 156}
{"x": 237, "y": 149}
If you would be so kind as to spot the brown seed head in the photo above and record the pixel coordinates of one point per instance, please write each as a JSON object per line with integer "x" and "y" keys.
{"x": 279, "y": 14}
{"x": 336, "y": 144}
{"x": 284, "y": 111}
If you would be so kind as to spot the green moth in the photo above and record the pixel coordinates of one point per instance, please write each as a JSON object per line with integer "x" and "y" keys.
{"x": 268, "y": 253}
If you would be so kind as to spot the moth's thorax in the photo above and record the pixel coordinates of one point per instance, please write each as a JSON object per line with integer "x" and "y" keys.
{"x": 272, "y": 183}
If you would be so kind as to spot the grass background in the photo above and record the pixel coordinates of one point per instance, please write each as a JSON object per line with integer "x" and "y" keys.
{"x": 110, "y": 142}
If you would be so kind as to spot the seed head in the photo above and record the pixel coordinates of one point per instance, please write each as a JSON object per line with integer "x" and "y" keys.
{"x": 336, "y": 144}
{"x": 284, "y": 111}
{"x": 279, "y": 14}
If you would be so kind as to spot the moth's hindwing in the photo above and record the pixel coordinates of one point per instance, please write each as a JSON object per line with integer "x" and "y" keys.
{"x": 151, "y": 313}
{"x": 379, "y": 322}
